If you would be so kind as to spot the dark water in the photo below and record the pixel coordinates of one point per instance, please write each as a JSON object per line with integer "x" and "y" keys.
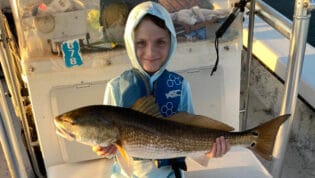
{"x": 286, "y": 7}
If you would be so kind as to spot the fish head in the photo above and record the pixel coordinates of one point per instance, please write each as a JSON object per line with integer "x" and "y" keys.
{"x": 86, "y": 125}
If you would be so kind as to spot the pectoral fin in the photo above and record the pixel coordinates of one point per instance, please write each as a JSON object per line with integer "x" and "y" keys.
{"x": 124, "y": 160}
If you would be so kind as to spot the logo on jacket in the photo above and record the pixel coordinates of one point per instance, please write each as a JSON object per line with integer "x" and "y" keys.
{"x": 173, "y": 94}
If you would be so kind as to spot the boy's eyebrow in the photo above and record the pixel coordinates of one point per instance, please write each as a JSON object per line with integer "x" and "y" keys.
{"x": 158, "y": 38}
{"x": 162, "y": 37}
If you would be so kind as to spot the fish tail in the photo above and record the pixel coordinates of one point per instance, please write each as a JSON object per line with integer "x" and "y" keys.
{"x": 266, "y": 135}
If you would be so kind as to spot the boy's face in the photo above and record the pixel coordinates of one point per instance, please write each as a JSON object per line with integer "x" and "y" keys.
{"x": 152, "y": 45}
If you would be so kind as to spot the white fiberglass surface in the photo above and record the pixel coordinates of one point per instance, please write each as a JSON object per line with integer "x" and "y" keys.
{"x": 66, "y": 98}
{"x": 207, "y": 91}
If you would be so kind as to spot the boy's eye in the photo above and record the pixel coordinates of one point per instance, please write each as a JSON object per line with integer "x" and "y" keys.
{"x": 161, "y": 42}
{"x": 140, "y": 44}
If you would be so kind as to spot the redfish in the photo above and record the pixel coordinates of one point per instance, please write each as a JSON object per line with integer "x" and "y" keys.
{"x": 140, "y": 131}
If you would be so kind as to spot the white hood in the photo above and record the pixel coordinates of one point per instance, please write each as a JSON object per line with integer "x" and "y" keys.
{"x": 134, "y": 18}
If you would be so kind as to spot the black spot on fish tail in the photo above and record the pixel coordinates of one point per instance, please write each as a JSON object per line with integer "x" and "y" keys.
{"x": 255, "y": 133}
{"x": 266, "y": 134}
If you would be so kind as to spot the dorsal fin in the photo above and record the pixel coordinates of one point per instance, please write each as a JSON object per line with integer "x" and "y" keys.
{"x": 199, "y": 121}
{"x": 148, "y": 106}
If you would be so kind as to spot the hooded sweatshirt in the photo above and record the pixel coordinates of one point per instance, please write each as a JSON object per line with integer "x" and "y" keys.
{"x": 125, "y": 89}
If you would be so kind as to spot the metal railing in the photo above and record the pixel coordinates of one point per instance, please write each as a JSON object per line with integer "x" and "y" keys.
{"x": 274, "y": 18}
{"x": 14, "y": 82}
{"x": 14, "y": 158}
{"x": 297, "y": 33}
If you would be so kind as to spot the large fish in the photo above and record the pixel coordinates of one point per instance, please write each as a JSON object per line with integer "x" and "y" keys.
{"x": 142, "y": 132}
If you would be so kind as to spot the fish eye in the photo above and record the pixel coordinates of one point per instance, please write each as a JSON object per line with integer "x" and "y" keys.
{"x": 255, "y": 133}
{"x": 70, "y": 121}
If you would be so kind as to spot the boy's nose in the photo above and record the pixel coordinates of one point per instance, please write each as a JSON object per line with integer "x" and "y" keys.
{"x": 150, "y": 51}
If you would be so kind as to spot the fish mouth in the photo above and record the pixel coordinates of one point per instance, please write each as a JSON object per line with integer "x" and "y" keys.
{"x": 61, "y": 131}
{"x": 65, "y": 134}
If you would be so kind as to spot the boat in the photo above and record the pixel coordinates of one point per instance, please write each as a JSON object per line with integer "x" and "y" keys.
{"x": 258, "y": 70}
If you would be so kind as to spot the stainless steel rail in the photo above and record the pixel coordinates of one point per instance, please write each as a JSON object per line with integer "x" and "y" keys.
{"x": 297, "y": 33}
{"x": 14, "y": 82}
{"x": 301, "y": 20}
{"x": 14, "y": 158}
{"x": 273, "y": 18}
{"x": 243, "y": 121}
